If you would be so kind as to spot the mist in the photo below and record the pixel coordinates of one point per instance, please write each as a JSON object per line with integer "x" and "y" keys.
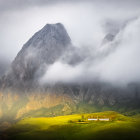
{"x": 87, "y": 23}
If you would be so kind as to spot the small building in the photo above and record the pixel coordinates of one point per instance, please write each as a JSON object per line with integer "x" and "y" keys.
{"x": 104, "y": 119}
{"x": 98, "y": 119}
{"x": 92, "y": 119}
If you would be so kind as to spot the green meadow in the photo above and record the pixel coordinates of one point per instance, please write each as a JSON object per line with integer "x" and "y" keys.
{"x": 77, "y": 127}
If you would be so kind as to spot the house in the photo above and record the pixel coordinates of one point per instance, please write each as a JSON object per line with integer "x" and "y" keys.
{"x": 98, "y": 119}
{"x": 104, "y": 119}
{"x": 92, "y": 119}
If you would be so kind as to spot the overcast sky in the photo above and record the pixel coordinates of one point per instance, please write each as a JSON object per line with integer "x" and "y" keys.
{"x": 20, "y": 19}
{"x": 87, "y": 22}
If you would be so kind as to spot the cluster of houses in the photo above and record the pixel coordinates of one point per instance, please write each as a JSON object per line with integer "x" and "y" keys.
{"x": 98, "y": 119}
{"x": 93, "y": 118}
{"x": 86, "y": 119}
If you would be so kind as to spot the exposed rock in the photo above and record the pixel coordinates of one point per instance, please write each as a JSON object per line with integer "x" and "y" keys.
{"x": 43, "y": 49}
{"x": 37, "y": 101}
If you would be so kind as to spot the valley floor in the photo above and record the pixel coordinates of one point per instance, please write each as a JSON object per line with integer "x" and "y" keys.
{"x": 76, "y": 127}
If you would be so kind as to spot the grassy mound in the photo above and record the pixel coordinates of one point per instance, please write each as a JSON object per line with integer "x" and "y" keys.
{"x": 68, "y": 127}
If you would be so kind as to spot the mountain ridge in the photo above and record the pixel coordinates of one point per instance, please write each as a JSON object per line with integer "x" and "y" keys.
{"x": 22, "y": 95}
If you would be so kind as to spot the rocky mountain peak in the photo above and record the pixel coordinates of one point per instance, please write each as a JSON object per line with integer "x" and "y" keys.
{"x": 49, "y": 33}
{"x": 44, "y": 48}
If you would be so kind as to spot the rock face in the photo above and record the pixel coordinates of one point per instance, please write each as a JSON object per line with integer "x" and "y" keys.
{"x": 68, "y": 99}
{"x": 43, "y": 49}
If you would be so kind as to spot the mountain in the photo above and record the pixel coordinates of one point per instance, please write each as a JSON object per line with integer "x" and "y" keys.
{"x": 43, "y": 49}
{"x": 22, "y": 96}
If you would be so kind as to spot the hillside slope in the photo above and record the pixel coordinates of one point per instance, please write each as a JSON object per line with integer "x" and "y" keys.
{"x": 73, "y": 127}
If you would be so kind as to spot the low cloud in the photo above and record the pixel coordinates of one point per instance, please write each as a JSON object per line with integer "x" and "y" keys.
{"x": 116, "y": 62}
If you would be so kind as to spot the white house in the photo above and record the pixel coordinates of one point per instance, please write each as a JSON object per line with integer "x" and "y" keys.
{"x": 93, "y": 119}
{"x": 104, "y": 119}
{"x": 98, "y": 119}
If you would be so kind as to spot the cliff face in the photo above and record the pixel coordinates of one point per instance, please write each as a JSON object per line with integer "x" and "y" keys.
{"x": 42, "y": 50}
{"x": 67, "y": 99}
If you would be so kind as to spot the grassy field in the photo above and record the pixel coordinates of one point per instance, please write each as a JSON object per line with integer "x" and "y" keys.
{"x": 77, "y": 127}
